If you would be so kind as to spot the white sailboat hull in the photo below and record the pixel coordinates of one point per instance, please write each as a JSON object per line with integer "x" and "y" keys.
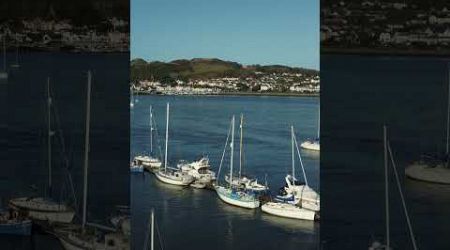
{"x": 181, "y": 180}
{"x": 225, "y": 196}
{"x": 288, "y": 211}
{"x": 311, "y": 145}
{"x": 40, "y": 209}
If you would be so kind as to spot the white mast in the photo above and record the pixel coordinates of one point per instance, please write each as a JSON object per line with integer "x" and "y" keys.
{"x": 240, "y": 146}
{"x": 448, "y": 113}
{"x": 4, "y": 53}
{"x": 86, "y": 149}
{"x": 152, "y": 238}
{"x": 318, "y": 125}
{"x": 49, "y": 138}
{"x": 151, "y": 130}
{"x": 293, "y": 157}
{"x": 300, "y": 158}
{"x": 232, "y": 149}
{"x": 167, "y": 137}
{"x": 386, "y": 190}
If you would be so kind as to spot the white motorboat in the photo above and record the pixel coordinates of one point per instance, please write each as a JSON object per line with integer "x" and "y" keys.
{"x": 313, "y": 144}
{"x": 44, "y": 208}
{"x": 169, "y": 175}
{"x": 233, "y": 194}
{"x": 84, "y": 237}
{"x": 295, "y": 192}
{"x": 200, "y": 170}
{"x": 288, "y": 210}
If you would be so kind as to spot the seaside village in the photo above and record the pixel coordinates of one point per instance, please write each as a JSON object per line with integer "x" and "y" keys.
{"x": 260, "y": 83}
{"x": 401, "y": 24}
{"x": 109, "y": 35}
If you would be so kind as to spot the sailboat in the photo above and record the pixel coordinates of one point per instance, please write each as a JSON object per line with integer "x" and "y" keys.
{"x": 231, "y": 193}
{"x": 16, "y": 63}
{"x": 241, "y": 180}
{"x": 200, "y": 170}
{"x": 148, "y": 161}
{"x": 169, "y": 175}
{"x": 434, "y": 170}
{"x": 4, "y": 72}
{"x": 44, "y": 208}
{"x": 295, "y": 192}
{"x": 376, "y": 245}
{"x": 313, "y": 144}
{"x": 82, "y": 237}
{"x": 309, "y": 205}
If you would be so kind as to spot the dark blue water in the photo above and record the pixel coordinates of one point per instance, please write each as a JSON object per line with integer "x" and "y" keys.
{"x": 25, "y": 162}
{"x": 359, "y": 95}
{"x": 199, "y": 125}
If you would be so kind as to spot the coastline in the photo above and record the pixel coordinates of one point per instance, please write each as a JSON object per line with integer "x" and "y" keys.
{"x": 240, "y": 94}
{"x": 385, "y": 52}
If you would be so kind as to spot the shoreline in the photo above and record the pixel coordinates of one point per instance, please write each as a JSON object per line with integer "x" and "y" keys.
{"x": 236, "y": 94}
{"x": 385, "y": 52}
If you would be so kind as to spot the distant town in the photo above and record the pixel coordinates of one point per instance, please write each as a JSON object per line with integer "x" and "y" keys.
{"x": 109, "y": 35}
{"x": 386, "y": 25}
{"x": 248, "y": 80}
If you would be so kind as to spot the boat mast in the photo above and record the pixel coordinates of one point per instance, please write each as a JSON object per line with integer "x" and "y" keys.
{"x": 152, "y": 237}
{"x": 240, "y": 146}
{"x": 86, "y": 149}
{"x": 318, "y": 125}
{"x": 4, "y": 53}
{"x": 293, "y": 153}
{"x": 167, "y": 137}
{"x": 232, "y": 149}
{"x": 49, "y": 138}
{"x": 448, "y": 114}
{"x": 386, "y": 187}
{"x": 151, "y": 130}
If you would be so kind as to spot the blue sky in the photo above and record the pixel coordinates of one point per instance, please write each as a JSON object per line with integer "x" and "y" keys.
{"x": 245, "y": 31}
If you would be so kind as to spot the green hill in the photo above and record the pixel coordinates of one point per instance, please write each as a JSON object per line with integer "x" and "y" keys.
{"x": 202, "y": 68}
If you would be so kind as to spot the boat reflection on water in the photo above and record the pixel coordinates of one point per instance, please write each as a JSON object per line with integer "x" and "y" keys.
{"x": 291, "y": 225}
{"x": 311, "y": 154}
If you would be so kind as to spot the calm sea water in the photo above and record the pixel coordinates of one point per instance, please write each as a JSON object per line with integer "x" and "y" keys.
{"x": 199, "y": 125}
{"x": 25, "y": 152}
{"x": 409, "y": 95}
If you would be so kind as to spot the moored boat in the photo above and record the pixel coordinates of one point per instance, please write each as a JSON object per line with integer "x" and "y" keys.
{"x": 173, "y": 176}
{"x": 200, "y": 170}
{"x": 288, "y": 211}
{"x": 14, "y": 223}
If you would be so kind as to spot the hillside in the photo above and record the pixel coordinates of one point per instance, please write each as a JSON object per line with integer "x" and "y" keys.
{"x": 203, "y": 68}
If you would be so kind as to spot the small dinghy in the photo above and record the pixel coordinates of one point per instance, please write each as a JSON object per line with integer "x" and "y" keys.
{"x": 288, "y": 211}
{"x": 14, "y": 223}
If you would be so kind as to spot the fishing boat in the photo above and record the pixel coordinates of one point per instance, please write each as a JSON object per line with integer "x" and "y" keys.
{"x": 376, "y": 245}
{"x": 434, "y": 169}
{"x": 4, "y": 72}
{"x": 230, "y": 193}
{"x": 44, "y": 208}
{"x": 200, "y": 170}
{"x": 88, "y": 236}
{"x": 169, "y": 175}
{"x": 288, "y": 211}
{"x": 241, "y": 180}
{"x": 13, "y": 223}
{"x": 148, "y": 161}
{"x": 313, "y": 144}
{"x": 295, "y": 192}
